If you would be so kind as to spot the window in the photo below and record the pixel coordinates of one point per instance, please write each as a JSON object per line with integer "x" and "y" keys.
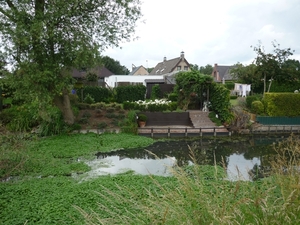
{"x": 185, "y": 68}
{"x": 178, "y": 68}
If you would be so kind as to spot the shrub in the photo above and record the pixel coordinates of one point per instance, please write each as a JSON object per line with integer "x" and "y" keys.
{"x": 102, "y": 125}
{"x": 89, "y": 99}
{"x": 155, "y": 93}
{"x": 130, "y": 93}
{"x": 110, "y": 109}
{"x": 142, "y": 117}
{"x": 252, "y": 98}
{"x": 173, "y": 97}
{"x": 257, "y": 107}
{"x": 233, "y": 96}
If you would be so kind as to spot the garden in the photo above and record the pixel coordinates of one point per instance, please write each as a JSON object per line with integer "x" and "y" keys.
{"x": 43, "y": 161}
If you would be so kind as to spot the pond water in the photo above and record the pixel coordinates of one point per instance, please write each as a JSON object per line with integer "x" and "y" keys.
{"x": 238, "y": 156}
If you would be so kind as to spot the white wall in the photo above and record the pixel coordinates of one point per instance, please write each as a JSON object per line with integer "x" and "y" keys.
{"x": 113, "y": 79}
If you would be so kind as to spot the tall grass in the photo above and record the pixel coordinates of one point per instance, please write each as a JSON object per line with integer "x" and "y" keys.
{"x": 202, "y": 195}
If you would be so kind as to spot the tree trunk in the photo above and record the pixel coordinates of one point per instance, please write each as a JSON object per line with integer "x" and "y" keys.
{"x": 63, "y": 103}
{"x": 270, "y": 84}
{"x": 265, "y": 77}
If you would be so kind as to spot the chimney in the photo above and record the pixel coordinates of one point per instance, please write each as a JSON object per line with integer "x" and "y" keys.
{"x": 133, "y": 67}
{"x": 165, "y": 58}
{"x": 182, "y": 55}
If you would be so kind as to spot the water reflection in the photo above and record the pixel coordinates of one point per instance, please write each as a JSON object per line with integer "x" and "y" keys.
{"x": 237, "y": 156}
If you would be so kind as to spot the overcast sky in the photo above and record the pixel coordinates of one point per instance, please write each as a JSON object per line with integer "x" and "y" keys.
{"x": 214, "y": 31}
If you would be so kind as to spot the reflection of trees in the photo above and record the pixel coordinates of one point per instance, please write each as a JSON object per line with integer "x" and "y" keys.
{"x": 203, "y": 152}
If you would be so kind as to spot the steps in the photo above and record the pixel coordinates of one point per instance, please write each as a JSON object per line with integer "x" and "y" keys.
{"x": 200, "y": 119}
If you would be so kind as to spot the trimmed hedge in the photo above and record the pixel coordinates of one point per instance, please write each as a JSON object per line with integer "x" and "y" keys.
{"x": 282, "y": 104}
{"x": 99, "y": 94}
{"x": 130, "y": 93}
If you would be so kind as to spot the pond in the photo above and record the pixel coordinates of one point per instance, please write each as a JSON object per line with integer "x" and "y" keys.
{"x": 238, "y": 156}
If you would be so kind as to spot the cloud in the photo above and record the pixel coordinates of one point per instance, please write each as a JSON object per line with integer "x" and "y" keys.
{"x": 210, "y": 32}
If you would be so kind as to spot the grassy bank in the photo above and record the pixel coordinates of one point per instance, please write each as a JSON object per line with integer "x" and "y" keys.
{"x": 45, "y": 193}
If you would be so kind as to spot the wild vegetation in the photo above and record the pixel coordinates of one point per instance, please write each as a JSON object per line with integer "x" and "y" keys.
{"x": 40, "y": 188}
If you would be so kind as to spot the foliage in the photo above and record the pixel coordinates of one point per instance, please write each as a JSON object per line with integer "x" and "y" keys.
{"x": 142, "y": 117}
{"x": 190, "y": 82}
{"x": 155, "y": 93}
{"x": 50, "y": 196}
{"x": 285, "y": 86}
{"x": 100, "y": 94}
{"x": 252, "y": 98}
{"x": 282, "y": 104}
{"x": 173, "y": 97}
{"x": 91, "y": 76}
{"x": 215, "y": 118}
{"x": 269, "y": 64}
{"x": 229, "y": 85}
{"x": 130, "y": 93}
{"x": 45, "y": 40}
{"x": 129, "y": 124}
{"x": 207, "y": 70}
{"x": 20, "y": 118}
{"x": 257, "y": 107}
{"x": 248, "y": 75}
{"x": 220, "y": 102}
{"x": 114, "y": 66}
{"x": 88, "y": 99}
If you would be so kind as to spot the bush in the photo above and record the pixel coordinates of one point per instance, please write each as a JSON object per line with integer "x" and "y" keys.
{"x": 252, "y": 98}
{"x": 155, "y": 93}
{"x": 173, "y": 97}
{"x": 257, "y": 107}
{"x": 102, "y": 125}
{"x": 130, "y": 93}
{"x": 142, "y": 117}
{"x": 89, "y": 99}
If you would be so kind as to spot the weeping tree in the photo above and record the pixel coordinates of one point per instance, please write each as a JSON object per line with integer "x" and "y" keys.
{"x": 44, "y": 39}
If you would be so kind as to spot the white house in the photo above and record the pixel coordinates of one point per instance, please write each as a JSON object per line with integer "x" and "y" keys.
{"x": 115, "y": 80}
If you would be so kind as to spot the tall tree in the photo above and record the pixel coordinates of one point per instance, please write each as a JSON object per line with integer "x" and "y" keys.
{"x": 114, "y": 66}
{"x": 44, "y": 39}
{"x": 269, "y": 64}
{"x": 207, "y": 70}
{"x": 247, "y": 74}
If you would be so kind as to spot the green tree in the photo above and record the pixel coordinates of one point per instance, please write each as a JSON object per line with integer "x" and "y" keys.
{"x": 248, "y": 75}
{"x": 207, "y": 70}
{"x": 269, "y": 64}
{"x": 44, "y": 39}
{"x": 290, "y": 71}
{"x": 114, "y": 66}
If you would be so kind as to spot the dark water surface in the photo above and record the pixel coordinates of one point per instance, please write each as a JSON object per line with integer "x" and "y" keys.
{"x": 237, "y": 155}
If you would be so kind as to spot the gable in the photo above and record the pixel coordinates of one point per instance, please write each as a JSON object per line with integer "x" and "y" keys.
{"x": 169, "y": 66}
{"x": 140, "y": 70}
{"x": 222, "y": 72}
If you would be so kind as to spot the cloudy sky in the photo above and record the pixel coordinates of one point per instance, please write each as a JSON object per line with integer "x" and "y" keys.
{"x": 214, "y": 31}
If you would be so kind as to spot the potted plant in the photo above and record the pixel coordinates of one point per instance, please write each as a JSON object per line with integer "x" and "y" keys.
{"x": 141, "y": 118}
